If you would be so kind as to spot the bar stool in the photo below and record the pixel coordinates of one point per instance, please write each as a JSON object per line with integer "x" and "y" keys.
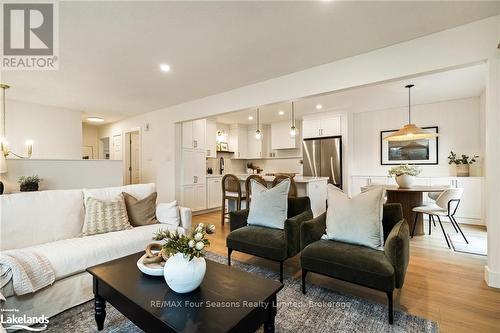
{"x": 446, "y": 205}
{"x": 292, "y": 193}
{"x": 248, "y": 187}
{"x": 231, "y": 190}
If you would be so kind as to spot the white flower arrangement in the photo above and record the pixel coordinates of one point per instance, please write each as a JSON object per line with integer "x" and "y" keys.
{"x": 404, "y": 169}
{"x": 191, "y": 245}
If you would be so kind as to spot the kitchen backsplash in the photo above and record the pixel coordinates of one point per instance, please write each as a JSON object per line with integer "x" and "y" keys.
{"x": 268, "y": 165}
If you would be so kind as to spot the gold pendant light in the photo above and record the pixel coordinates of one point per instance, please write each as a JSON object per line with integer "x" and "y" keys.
{"x": 293, "y": 129}
{"x": 410, "y": 131}
{"x": 258, "y": 133}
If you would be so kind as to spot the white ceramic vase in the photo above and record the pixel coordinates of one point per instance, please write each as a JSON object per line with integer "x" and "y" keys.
{"x": 183, "y": 275}
{"x": 405, "y": 181}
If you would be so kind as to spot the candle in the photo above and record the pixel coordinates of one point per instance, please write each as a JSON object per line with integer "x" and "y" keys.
{"x": 29, "y": 147}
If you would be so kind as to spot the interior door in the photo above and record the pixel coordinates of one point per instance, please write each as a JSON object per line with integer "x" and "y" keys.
{"x": 117, "y": 147}
{"x": 135, "y": 158}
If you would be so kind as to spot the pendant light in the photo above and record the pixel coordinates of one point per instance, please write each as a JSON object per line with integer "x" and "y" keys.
{"x": 293, "y": 129}
{"x": 258, "y": 133}
{"x": 410, "y": 131}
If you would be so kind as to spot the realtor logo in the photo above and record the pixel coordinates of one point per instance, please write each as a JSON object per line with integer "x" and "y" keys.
{"x": 30, "y": 36}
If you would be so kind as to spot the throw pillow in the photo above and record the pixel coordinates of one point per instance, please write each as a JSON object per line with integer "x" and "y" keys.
{"x": 168, "y": 213}
{"x": 357, "y": 220}
{"x": 141, "y": 212}
{"x": 269, "y": 207}
{"x": 105, "y": 216}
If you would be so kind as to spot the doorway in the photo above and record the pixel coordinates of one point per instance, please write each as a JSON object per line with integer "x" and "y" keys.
{"x": 132, "y": 161}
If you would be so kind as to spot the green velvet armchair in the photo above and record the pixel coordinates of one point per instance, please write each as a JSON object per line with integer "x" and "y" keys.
{"x": 269, "y": 243}
{"x": 382, "y": 270}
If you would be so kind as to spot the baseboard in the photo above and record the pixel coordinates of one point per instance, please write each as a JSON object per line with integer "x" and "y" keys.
{"x": 492, "y": 278}
{"x": 204, "y": 211}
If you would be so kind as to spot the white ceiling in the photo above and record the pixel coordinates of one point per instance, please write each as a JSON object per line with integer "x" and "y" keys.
{"x": 454, "y": 84}
{"x": 110, "y": 51}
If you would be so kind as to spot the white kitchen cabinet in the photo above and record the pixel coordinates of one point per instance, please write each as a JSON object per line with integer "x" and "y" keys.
{"x": 193, "y": 166}
{"x": 257, "y": 148}
{"x": 280, "y": 136}
{"x": 214, "y": 192}
{"x": 211, "y": 138}
{"x": 322, "y": 126}
{"x": 238, "y": 138}
{"x": 193, "y": 134}
{"x": 194, "y": 197}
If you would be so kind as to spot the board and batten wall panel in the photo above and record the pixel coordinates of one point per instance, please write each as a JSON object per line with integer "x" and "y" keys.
{"x": 64, "y": 174}
{"x": 459, "y": 130}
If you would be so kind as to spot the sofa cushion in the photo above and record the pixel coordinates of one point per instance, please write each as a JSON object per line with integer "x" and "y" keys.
{"x": 260, "y": 241}
{"x": 168, "y": 213}
{"x": 353, "y": 263}
{"x": 105, "y": 216}
{"x": 71, "y": 256}
{"x": 139, "y": 191}
{"x": 40, "y": 217}
{"x": 141, "y": 212}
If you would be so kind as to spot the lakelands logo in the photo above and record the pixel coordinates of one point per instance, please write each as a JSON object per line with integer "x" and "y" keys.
{"x": 12, "y": 322}
{"x": 30, "y": 36}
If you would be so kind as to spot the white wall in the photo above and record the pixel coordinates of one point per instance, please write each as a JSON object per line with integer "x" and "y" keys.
{"x": 90, "y": 138}
{"x": 56, "y": 132}
{"x": 459, "y": 130}
{"x": 64, "y": 174}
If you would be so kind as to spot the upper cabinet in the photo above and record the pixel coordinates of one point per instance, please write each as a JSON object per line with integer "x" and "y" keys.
{"x": 322, "y": 126}
{"x": 238, "y": 138}
{"x": 211, "y": 138}
{"x": 193, "y": 134}
{"x": 257, "y": 148}
{"x": 280, "y": 136}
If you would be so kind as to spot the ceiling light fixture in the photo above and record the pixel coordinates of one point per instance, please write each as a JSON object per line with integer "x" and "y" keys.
{"x": 95, "y": 119}
{"x": 165, "y": 67}
{"x": 250, "y": 118}
{"x": 410, "y": 131}
{"x": 258, "y": 133}
{"x": 319, "y": 106}
{"x": 293, "y": 129}
{"x": 280, "y": 112}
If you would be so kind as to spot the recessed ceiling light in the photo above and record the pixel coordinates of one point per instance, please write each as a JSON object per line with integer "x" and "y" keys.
{"x": 281, "y": 112}
{"x": 250, "y": 118}
{"x": 95, "y": 119}
{"x": 319, "y": 106}
{"x": 165, "y": 67}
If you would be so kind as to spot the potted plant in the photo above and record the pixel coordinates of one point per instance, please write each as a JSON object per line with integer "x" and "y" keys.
{"x": 185, "y": 267}
{"x": 404, "y": 174}
{"x": 29, "y": 183}
{"x": 462, "y": 163}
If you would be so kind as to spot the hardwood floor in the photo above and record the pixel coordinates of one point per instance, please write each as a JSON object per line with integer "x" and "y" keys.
{"x": 441, "y": 285}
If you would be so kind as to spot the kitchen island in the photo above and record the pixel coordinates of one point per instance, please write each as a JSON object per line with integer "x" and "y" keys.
{"x": 312, "y": 187}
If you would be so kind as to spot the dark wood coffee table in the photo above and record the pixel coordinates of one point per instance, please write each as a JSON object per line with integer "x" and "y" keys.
{"x": 228, "y": 300}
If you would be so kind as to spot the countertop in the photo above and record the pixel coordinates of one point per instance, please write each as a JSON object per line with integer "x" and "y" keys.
{"x": 298, "y": 178}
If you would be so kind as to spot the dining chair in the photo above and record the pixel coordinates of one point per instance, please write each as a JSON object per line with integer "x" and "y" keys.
{"x": 446, "y": 205}
{"x": 248, "y": 187}
{"x": 278, "y": 178}
{"x": 231, "y": 190}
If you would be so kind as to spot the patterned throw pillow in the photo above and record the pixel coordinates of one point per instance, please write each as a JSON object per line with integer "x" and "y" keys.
{"x": 141, "y": 212}
{"x": 105, "y": 216}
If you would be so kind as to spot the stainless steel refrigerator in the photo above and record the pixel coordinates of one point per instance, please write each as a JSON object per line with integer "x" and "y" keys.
{"x": 323, "y": 158}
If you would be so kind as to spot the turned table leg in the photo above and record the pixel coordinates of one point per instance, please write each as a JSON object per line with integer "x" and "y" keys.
{"x": 100, "y": 312}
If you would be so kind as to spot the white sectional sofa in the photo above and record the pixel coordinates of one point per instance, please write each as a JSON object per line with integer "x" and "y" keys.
{"x": 50, "y": 222}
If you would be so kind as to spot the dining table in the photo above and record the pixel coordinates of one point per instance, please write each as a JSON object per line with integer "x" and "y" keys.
{"x": 410, "y": 198}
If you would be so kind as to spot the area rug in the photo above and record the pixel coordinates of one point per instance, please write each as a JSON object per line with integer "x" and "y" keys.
{"x": 477, "y": 245}
{"x": 320, "y": 310}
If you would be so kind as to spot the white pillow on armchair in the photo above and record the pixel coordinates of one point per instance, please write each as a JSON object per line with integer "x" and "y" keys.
{"x": 168, "y": 213}
{"x": 356, "y": 220}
